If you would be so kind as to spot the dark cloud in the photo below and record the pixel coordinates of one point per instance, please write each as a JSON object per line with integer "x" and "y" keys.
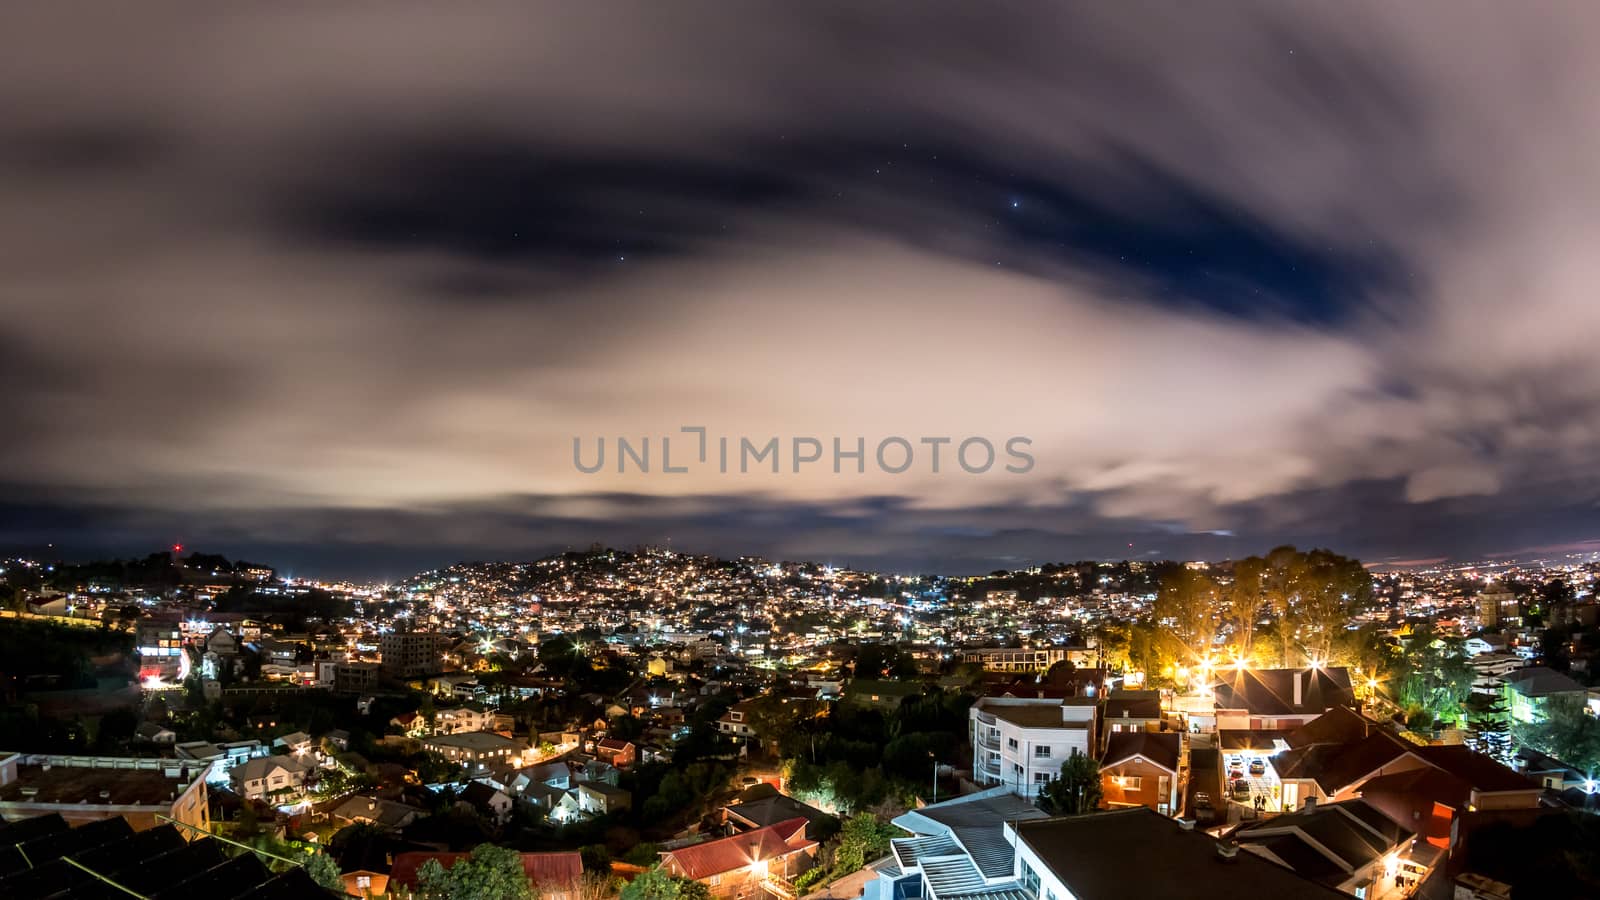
{"x": 344, "y": 284}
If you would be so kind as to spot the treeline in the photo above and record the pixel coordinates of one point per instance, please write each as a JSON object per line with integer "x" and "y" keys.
{"x": 152, "y": 572}
{"x": 1287, "y": 608}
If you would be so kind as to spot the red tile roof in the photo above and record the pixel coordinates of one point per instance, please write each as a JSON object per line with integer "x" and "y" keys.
{"x": 728, "y": 854}
{"x": 541, "y": 868}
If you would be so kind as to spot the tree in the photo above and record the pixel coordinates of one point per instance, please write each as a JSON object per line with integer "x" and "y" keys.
{"x": 862, "y": 839}
{"x": 1566, "y": 732}
{"x": 656, "y": 883}
{"x": 324, "y": 871}
{"x": 1432, "y": 678}
{"x": 1076, "y": 790}
{"x": 1246, "y": 597}
{"x": 1187, "y": 603}
{"x": 1489, "y": 726}
{"x": 490, "y": 873}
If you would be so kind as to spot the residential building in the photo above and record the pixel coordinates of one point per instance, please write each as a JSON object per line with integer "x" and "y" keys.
{"x": 1349, "y": 846}
{"x": 1127, "y": 710}
{"x": 1029, "y": 659}
{"x": 736, "y": 724}
{"x": 957, "y": 848}
{"x": 762, "y": 805}
{"x": 477, "y": 751}
{"x": 746, "y": 865}
{"x": 879, "y": 694}
{"x": 616, "y": 752}
{"x": 1279, "y": 698}
{"x": 385, "y": 815}
{"x": 462, "y": 720}
{"x": 1139, "y": 853}
{"x": 1021, "y": 742}
{"x": 487, "y": 801}
{"x": 1489, "y": 671}
{"x": 1529, "y": 691}
{"x": 599, "y": 799}
{"x": 274, "y": 779}
{"x": 84, "y": 789}
{"x": 1141, "y": 768}
{"x": 412, "y": 654}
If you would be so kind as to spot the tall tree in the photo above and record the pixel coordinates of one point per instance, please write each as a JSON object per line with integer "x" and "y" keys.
{"x": 1246, "y": 598}
{"x": 1281, "y": 582}
{"x": 1186, "y": 602}
{"x": 1076, "y": 790}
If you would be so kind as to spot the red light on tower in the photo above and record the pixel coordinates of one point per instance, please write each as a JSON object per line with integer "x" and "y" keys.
{"x": 177, "y": 548}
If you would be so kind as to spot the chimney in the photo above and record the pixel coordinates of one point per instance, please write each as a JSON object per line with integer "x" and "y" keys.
{"x": 1308, "y": 804}
{"x": 1227, "y": 853}
{"x": 1298, "y": 699}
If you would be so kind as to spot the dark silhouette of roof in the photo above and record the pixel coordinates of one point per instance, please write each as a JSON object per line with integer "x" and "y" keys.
{"x": 1336, "y": 766}
{"x": 1340, "y": 725}
{"x": 1271, "y": 692}
{"x": 1141, "y": 853}
{"x": 1541, "y": 681}
{"x": 1159, "y": 747}
{"x": 1480, "y": 771}
{"x": 1353, "y": 830}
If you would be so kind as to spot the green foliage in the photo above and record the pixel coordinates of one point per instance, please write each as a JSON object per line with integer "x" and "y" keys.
{"x": 490, "y": 873}
{"x": 862, "y": 839}
{"x": 656, "y": 884}
{"x": 1567, "y": 732}
{"x": 596, "y": 858}
{"x": 809, "y": 879}
{"x": 324, "y": 870}
{"x": 1187, "y": 603}
{"x": 1431, "y": 679}
{"x": 645, "y": 854}
{"x": 1076, "y": 790}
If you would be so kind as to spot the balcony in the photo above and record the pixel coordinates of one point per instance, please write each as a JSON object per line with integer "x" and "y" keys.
{"x": 992, "y": 766}
{"x": 990, "y": 742}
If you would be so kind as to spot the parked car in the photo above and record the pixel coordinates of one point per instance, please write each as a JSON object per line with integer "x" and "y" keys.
{"x": 1241, "y": 789}
{"x": 1258, "y": 767}
{"x": 1203, "y": 810}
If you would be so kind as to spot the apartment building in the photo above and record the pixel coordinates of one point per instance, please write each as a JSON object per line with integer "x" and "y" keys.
{"x": 1021, "y": 742}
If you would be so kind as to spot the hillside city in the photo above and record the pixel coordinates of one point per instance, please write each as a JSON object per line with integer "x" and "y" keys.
{"x": 663, "y": 725}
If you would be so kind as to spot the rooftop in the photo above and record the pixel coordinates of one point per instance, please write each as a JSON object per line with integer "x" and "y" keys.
{"x": 479, "y": 741}
{"x": 101, "y": 780}
{"x": 1159, "y": 747}
{"x": 1089, "y": 854}
{"x": 1539, "y": 681}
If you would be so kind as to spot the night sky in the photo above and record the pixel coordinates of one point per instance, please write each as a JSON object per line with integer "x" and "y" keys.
{"x": 336, "y": 285}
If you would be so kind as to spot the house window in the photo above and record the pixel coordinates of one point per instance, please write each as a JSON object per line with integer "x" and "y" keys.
{"x": 1042, "y": 752}
{"x": 1016, "y": 769}
{"x": 1041, "y": 777}
{"x": 1030, "y": 879}
{"x": 363, "y": 882}
{"x": 716, "y": 880}
{"x": 1011, "y": 743}
{"x": 1131, "y": 782}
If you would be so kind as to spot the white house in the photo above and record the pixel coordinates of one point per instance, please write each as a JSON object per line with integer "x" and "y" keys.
{"x": 1021, "y": 742}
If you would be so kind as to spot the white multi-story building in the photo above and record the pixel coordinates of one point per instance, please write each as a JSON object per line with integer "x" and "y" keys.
{"x": 1021, "y": 742}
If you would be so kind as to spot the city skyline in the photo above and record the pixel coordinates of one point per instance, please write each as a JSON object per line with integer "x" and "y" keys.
{"x": 1314, "y": 276}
